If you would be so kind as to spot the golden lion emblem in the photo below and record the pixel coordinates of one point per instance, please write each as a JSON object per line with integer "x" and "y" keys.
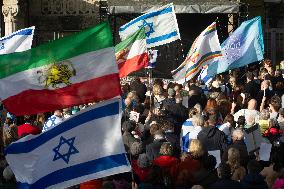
{"x": 57, "y": 75}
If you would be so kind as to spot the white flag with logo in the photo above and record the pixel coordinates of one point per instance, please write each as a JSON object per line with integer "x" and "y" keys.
{"x": 86, "y": 146}
{"x": 160, "y": 26}
{"x": 18, "y": 41}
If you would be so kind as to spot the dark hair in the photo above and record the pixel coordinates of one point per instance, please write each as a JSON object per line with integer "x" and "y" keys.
{"x": 209, "y": 162}
{"x": 224, "y": 170}
{"x": 249, "y": 75}
{"x": 254, "y": 167}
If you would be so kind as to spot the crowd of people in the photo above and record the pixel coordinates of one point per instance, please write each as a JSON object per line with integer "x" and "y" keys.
{"x": 173, "y": 132}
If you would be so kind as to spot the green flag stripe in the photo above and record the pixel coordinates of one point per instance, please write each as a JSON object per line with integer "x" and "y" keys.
{"x": 88, "y": 40}
{"x": 140, "y": 34}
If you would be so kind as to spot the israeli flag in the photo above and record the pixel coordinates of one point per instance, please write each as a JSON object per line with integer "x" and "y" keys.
{"x": 244, "y": 46}
{"x": 204, "y": 76}
{"x": 153, "y": 55}
{"x": 160, "y": 25}
{"x": 86, "y": 146}
{"x": 18, "y": 41}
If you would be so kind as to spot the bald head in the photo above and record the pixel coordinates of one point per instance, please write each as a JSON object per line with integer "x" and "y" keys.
{"x": 252, "y": 104}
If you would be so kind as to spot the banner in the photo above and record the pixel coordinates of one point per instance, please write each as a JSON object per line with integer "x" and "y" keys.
{"x": 244, "y": 46}
{"x": 18, "y": 41}
{"x": 86, "y": 146}
{"x": 160, "y": 26}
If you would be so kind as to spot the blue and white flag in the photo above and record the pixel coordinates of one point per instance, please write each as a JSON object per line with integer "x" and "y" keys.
{"x": 204, "y": 76}
{"x": 153, "y": 55}
{"x": 160, "y": 25}
{"x": 86, "y": 146}
{"x": 18, "y": 41}
{"x": 244, "y": 46}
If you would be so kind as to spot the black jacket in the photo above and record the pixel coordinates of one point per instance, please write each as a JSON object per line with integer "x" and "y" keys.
{"x": 153, "y": 149}
{"x": 226, "y": 183}
{"x": 241, "y": 146}
{"x": 254, "y": 181}
{"x": 252, "y": 88}
{"x": 213, "y": 139}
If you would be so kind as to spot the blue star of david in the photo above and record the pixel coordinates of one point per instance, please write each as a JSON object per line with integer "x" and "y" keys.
{"x": 52, "y": 119}
{"x": 149, "y": 27}
{"x": 66, "y": 156}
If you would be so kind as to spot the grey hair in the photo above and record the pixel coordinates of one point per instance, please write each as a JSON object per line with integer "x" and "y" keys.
{"x": 238, "y": 134}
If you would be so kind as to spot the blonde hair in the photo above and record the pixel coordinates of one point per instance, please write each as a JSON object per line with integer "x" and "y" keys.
{"x": 157, "y": 90}
{"x": 233, "y": 158}
{"x": 197, "y": 120}
{"x": 196, "y": 149}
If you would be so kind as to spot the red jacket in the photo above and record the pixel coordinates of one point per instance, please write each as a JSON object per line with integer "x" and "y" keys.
{"x": 168, "y": 163}
{"x": 140, "y": 172}
{"x": 27, "y": 129}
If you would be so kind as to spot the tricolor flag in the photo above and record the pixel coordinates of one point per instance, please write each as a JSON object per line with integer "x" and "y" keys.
{"x": 160, "y": 25}
{"x": 86, "y": 146}
{"x": 18, "y": 41}
{"x": 204, "y": 50}
{"x": 131, "y": 53}
{"x": 73, "y": 70}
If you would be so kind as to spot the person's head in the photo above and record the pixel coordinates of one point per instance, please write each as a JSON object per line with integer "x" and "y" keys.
{"x": 211, "y": 104}
{"x": 267, "y": 63}
{"x": 157, "y": 90}
{"x": 263, "y": 73}
{"x": 254, "y": 167}
{"x": 265, "y": 85}
{"x": 128, "y": 126}
{"x": 230, "y": 119}
{"x": 166, "y": 149}
{"x": 28, "y": 118}
{"x": 197, "y": 120}
{"x": 136, "y": 148}
{"x": 209, "y": 162}
{"x": 252, "y": 104}
{"x": 237, "y": 135}
{"x": 171, "y": 93}
{"x": 154, "y": 128}
{"x": 275, "y": 103}
{"x": 143, "y": 161}
{"x": 159, "y": 135}
{"x": 224, "y": 171}
{"x": 264, "y": 115}
{"x": 249, "y": 76}
{"x": 212, "y": 120}
{"x": 196, "y": 149}
{"x": 234, "y": 158}
{"x": 108, "y": 185}
{"x": 178, "y": 99}
{"x": 198, "y": 108}
{"x": 58, "y": 113}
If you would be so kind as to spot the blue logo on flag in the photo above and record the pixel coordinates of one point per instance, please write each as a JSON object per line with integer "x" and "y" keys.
{"x": 148, "y": 27}
{"x": 71, "y": 150}
{"x": 2, "y": 46}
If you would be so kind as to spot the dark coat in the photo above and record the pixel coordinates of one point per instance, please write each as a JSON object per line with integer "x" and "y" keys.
{"x": 172, "y": 138}
{"x": 254, "y": 181}
{"x": 128, "y": 140}
{"x": 252, "y": 88}
{"x": 241, "y": 146}
{"x": 153, "y": 149}
{"x": 213, "y": 139}
{"x": 140, "y": 89}
{"x": 226, "y": 183}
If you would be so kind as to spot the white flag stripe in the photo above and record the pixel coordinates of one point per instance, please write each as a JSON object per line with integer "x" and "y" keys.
{"x": 17, "y": 42}
{"x": 97, "y": 151}
{"x": 160, "y": 26}
{"x": 99, "y": 61}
